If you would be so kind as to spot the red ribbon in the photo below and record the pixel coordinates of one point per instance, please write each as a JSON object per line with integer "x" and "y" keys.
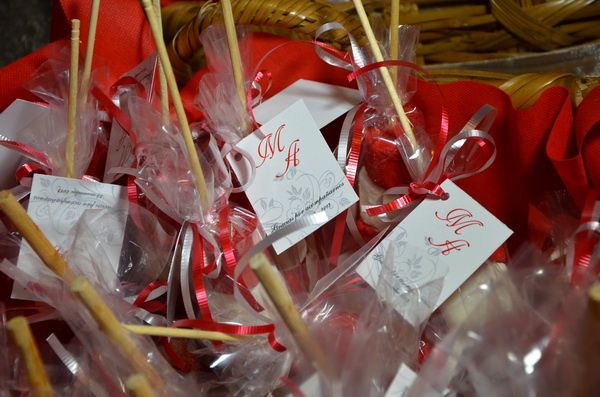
{"x": 351, "y": 171}
{"x": 151, "y": 306}
{"x": 391, "y": 63}
{"x": 176, "y": 361}
{"x": 586, "y": 237}
{"x": 292, "y": 386}
{"x": 115, "y": 112}
{"x": 247, "y": 330}
{"x": 418, "y": 189}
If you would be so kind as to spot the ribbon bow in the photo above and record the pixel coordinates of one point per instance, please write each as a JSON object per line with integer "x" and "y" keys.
{"x": 468, "y": 153}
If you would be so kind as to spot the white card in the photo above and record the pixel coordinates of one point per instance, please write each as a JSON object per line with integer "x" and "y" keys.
{"x": 19, "y": 116}
{"x": 455, "y": 236}
{"x": 325, "y": 102}
{"x": 56, "y": 204}
{"x": 296, "y": 174}
{"x": 401, "y": 383}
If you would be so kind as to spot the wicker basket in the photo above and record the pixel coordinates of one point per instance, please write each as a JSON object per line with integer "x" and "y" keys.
{"x": 451, "y": 31}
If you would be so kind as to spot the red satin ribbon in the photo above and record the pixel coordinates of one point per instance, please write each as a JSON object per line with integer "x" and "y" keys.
{"x": 259, "y": 78}
{"x": 225, "y": 237}
{"x": 26, "y": 150}
{"x": 292, "y": 386}
{"x": 151, "y": 306}
{"x": 391, "y": 63}
{"x": 418, "y": 190}
{"x": 247, "y": 330}
{"x": 115, "y": 112}
{"x": 28, "y": 169}
{"x": 176, "y": 361}
{"x": 586, "y": 241}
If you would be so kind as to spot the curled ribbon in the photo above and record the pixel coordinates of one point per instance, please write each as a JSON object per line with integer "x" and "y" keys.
{"x": 584, "y": 249}
{"x": 458, "y": 159}
{"x": 451, "y": 159}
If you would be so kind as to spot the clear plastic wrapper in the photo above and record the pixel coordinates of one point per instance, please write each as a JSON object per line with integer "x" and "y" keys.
{"x": 226, "y": 116}
{"x": 144, "y": 246}
{"x": 163, "y": 171}
{"x": 530, "y": 335}
{"x": 51, "y": 84}
{"x": 381, "y": 126}
{"x": 364, "y": 337}
{"x": 391, "y": 157}
{"x": 94, "y": 234}
{"x": 112, "y": 367}
{"x": 252, "y": 368}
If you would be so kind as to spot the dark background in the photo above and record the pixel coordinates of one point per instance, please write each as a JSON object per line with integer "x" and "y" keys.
{"x": 24, "y": 27}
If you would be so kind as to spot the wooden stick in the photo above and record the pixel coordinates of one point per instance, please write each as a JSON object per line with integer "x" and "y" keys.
{"x": 111, "y": 327}
{"x": 36, "y": 373}
{"x": 80, "y": 286}
{"x": 385, "y": 73}
{"x": 137, "y": 385}
{"x": 178, "y": 104}
{"x": 72, "y": 105}
{"x": 34, "y": 236}
{"x": 594, "y": 300}
{"x": 182, "y": 333}
{"x": 277, "y": 291}
{"x": 89, "y": 50}
{"x": 234, "y": 54}
{"x": 162, "y": 78}
{"x": 394, "y": 36}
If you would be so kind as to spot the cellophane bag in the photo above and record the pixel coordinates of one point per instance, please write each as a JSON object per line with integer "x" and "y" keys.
{"x": 226, "y": 116}
{"x": 530, "y": 335}
{"x": 383, "y": 134}
{"x": 93, "y": 234}
{"x": 51, "y": 84}
{"x": 163, "y": 172}
{"x": 363, "y": 335}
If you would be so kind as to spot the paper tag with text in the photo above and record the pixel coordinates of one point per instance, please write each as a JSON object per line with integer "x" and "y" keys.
{"x": 446, "y": 239}
{"x": 296, "y": 174}
{"x": 56, "y": 204}
{"x": 325, "y": 102}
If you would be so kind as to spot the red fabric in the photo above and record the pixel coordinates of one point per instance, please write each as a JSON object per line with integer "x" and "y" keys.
{"x": 14, "y": 75}
{"x": 123, "y": 40}
{"x": 123, "y": 37}
{"x": 574, "y": 145}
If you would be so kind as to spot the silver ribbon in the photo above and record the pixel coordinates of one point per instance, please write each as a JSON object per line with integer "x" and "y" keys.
{"x": 73, "y": 366}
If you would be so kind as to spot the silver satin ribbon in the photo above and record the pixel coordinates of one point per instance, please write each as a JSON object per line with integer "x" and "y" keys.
{"x": 73, "y": 366}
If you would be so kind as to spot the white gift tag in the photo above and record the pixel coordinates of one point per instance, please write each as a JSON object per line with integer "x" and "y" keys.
{"x": 20, "y": 115}
{"x": 56, "y": 204}
{"x": 296, "y": 174}
{"x": 455, "y": 236}
{"x": 325, "y": 102}
{"x": 401, "y": 383}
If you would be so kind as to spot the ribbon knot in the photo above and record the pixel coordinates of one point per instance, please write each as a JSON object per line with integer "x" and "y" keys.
{"x": 426, "y": 188}
{"x": 468, "y": 153}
